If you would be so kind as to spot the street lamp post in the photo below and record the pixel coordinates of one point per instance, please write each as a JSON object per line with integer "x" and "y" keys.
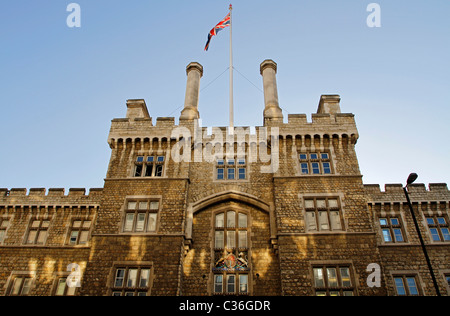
{"x": 413, "y": 177}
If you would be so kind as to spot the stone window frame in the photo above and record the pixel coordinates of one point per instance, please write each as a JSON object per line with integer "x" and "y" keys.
{"x": 336, "y": 264}
{"x": 156, "y": 162}
{"x": 445, "y": 274}
{"x": 24, "y": 275}
{"x": 341, "y": 208}
{"x": 390, "y": 210}
{"x": 404, "y": 275}
{"x": 236, "y": 274}
{"x": 137, "y": 199}
{"x": 57, "y": 278}
{"x": 71, "y": 228}
{"x": 438, "y": 226}
{"x": 319, "y": 160}
{"x": 127, "y": 266}
{"x": 4, "y": 228}
{"x": 392, "y": 228}
{"x": 38, "y": 229}
{"x": 223, "y": 164}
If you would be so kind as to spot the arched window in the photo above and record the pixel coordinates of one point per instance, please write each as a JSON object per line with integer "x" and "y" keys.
{"x": 231, "y": 253}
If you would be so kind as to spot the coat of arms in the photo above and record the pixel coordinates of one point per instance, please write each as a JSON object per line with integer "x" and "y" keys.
{"x": 228, "y": 261}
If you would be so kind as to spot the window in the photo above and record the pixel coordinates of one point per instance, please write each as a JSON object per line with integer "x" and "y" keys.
{"x": 406, "y": 285}
{"x": 438, "y": 226}
{"x": 231, "y": 169}
{"x": 391, "y": 229}
{"x": 315, "y": 163}
{"x": 37, "y": 231}
{"x": 79, "y": 232}
{"x": 447, "y": 278}
{"x": 232, "y": 284}
{"x": 323, "y": 214}
{"x": 231, "y": 253}
{"x": 62, "y": 289}
{"x": 20, "y": 286}
{"x": 333, "y": 281}
{"x": 149, "y": 166}
{"x": 141, "y": 216}
{"x": 131, "y": 281}
{"x": 4, "y": 224}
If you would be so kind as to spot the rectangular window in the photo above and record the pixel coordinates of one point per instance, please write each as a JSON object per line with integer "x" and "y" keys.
{"x": 315, "y": 163}
{"x": 227, "y": 283}
{"x": 141, "y": 216}
{"x": 231, "y": 283}
{"x": 20, "y": 286}
{"x": 406, "y": 285}
{"x": 131, "y": 281}
{"x": 333, "y": 281}
{"x": 218, "y": 284}
{"x": 37, "y": 231}
{"x": 159, "y": 171}
{"x": 243, "y": 284}
{"x": 232, "y": 169}
{"x": 79, "y": 232}
{"x": 242, "y": 173}
{"x": 4, "y": 225}
{"x": 392, "y": 230}
{"x": 230, "y": 173}
{"x": 322, "y": 214}
{"x": 438, "y": 226}
{"x": 62, "y": 289}
{"x": 305, "y": 168}
{"x": 220, "y": 173}
{"x": 149, "y": 167}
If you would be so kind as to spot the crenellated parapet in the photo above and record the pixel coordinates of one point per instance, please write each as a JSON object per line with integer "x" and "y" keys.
{"x": 437, "y": 192}
{"x": 55, "y": 197}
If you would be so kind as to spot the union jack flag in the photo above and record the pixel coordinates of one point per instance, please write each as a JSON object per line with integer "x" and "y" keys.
{"x": 219, "y": 27}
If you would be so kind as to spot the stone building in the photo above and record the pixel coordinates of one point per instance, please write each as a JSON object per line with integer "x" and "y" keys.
{"x": 186, "y": 210}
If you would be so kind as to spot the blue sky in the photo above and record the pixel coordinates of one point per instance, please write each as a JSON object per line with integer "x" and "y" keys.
{"x": 60, "y": 87}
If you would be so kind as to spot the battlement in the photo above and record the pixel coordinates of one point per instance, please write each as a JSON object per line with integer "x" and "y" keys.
{"x": 418, "y": 192}
{"x": 94, "y": 193}
{"x": 412, "y": 188}
{"x": 340, "y": 125}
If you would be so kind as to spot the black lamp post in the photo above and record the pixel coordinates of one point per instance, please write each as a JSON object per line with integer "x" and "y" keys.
{"x": 413, "y": 177}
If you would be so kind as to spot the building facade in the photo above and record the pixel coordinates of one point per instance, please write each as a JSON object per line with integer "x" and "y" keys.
{"x": 186, "y": 210}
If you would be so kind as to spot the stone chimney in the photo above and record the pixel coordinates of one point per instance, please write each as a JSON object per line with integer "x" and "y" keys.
{"x": 194, "y": 73}
{"x": 329, "y": 104}
{"x": 272, "y": 109}
{"x": 137, "y": 109}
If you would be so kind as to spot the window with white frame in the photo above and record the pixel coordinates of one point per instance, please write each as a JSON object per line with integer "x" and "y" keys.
{"x": 406, "y": 285}
{"x": 323, "y": 214}
{"x": 232, "y": 169}
{"x": 315, "y": 163}
{"x": 392, "y": 229}
{"x": 131, "y": 281}
{"x": 62, "y": 289}
{"x": 79, "y": 231}
{"x": 37, "y": 231}
{"x": 333, "y": 280}
{"x": 438, "y": 226}
{"x": 149, "y": 166}
{"x": 20, "y": 285}
{"x": 141, "y": 215}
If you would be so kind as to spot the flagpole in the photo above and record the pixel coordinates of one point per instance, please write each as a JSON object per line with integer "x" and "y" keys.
{"x": 231, "y": 73}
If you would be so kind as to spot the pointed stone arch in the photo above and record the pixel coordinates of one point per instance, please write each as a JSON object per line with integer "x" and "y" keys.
{"x": 226, "y": 196}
